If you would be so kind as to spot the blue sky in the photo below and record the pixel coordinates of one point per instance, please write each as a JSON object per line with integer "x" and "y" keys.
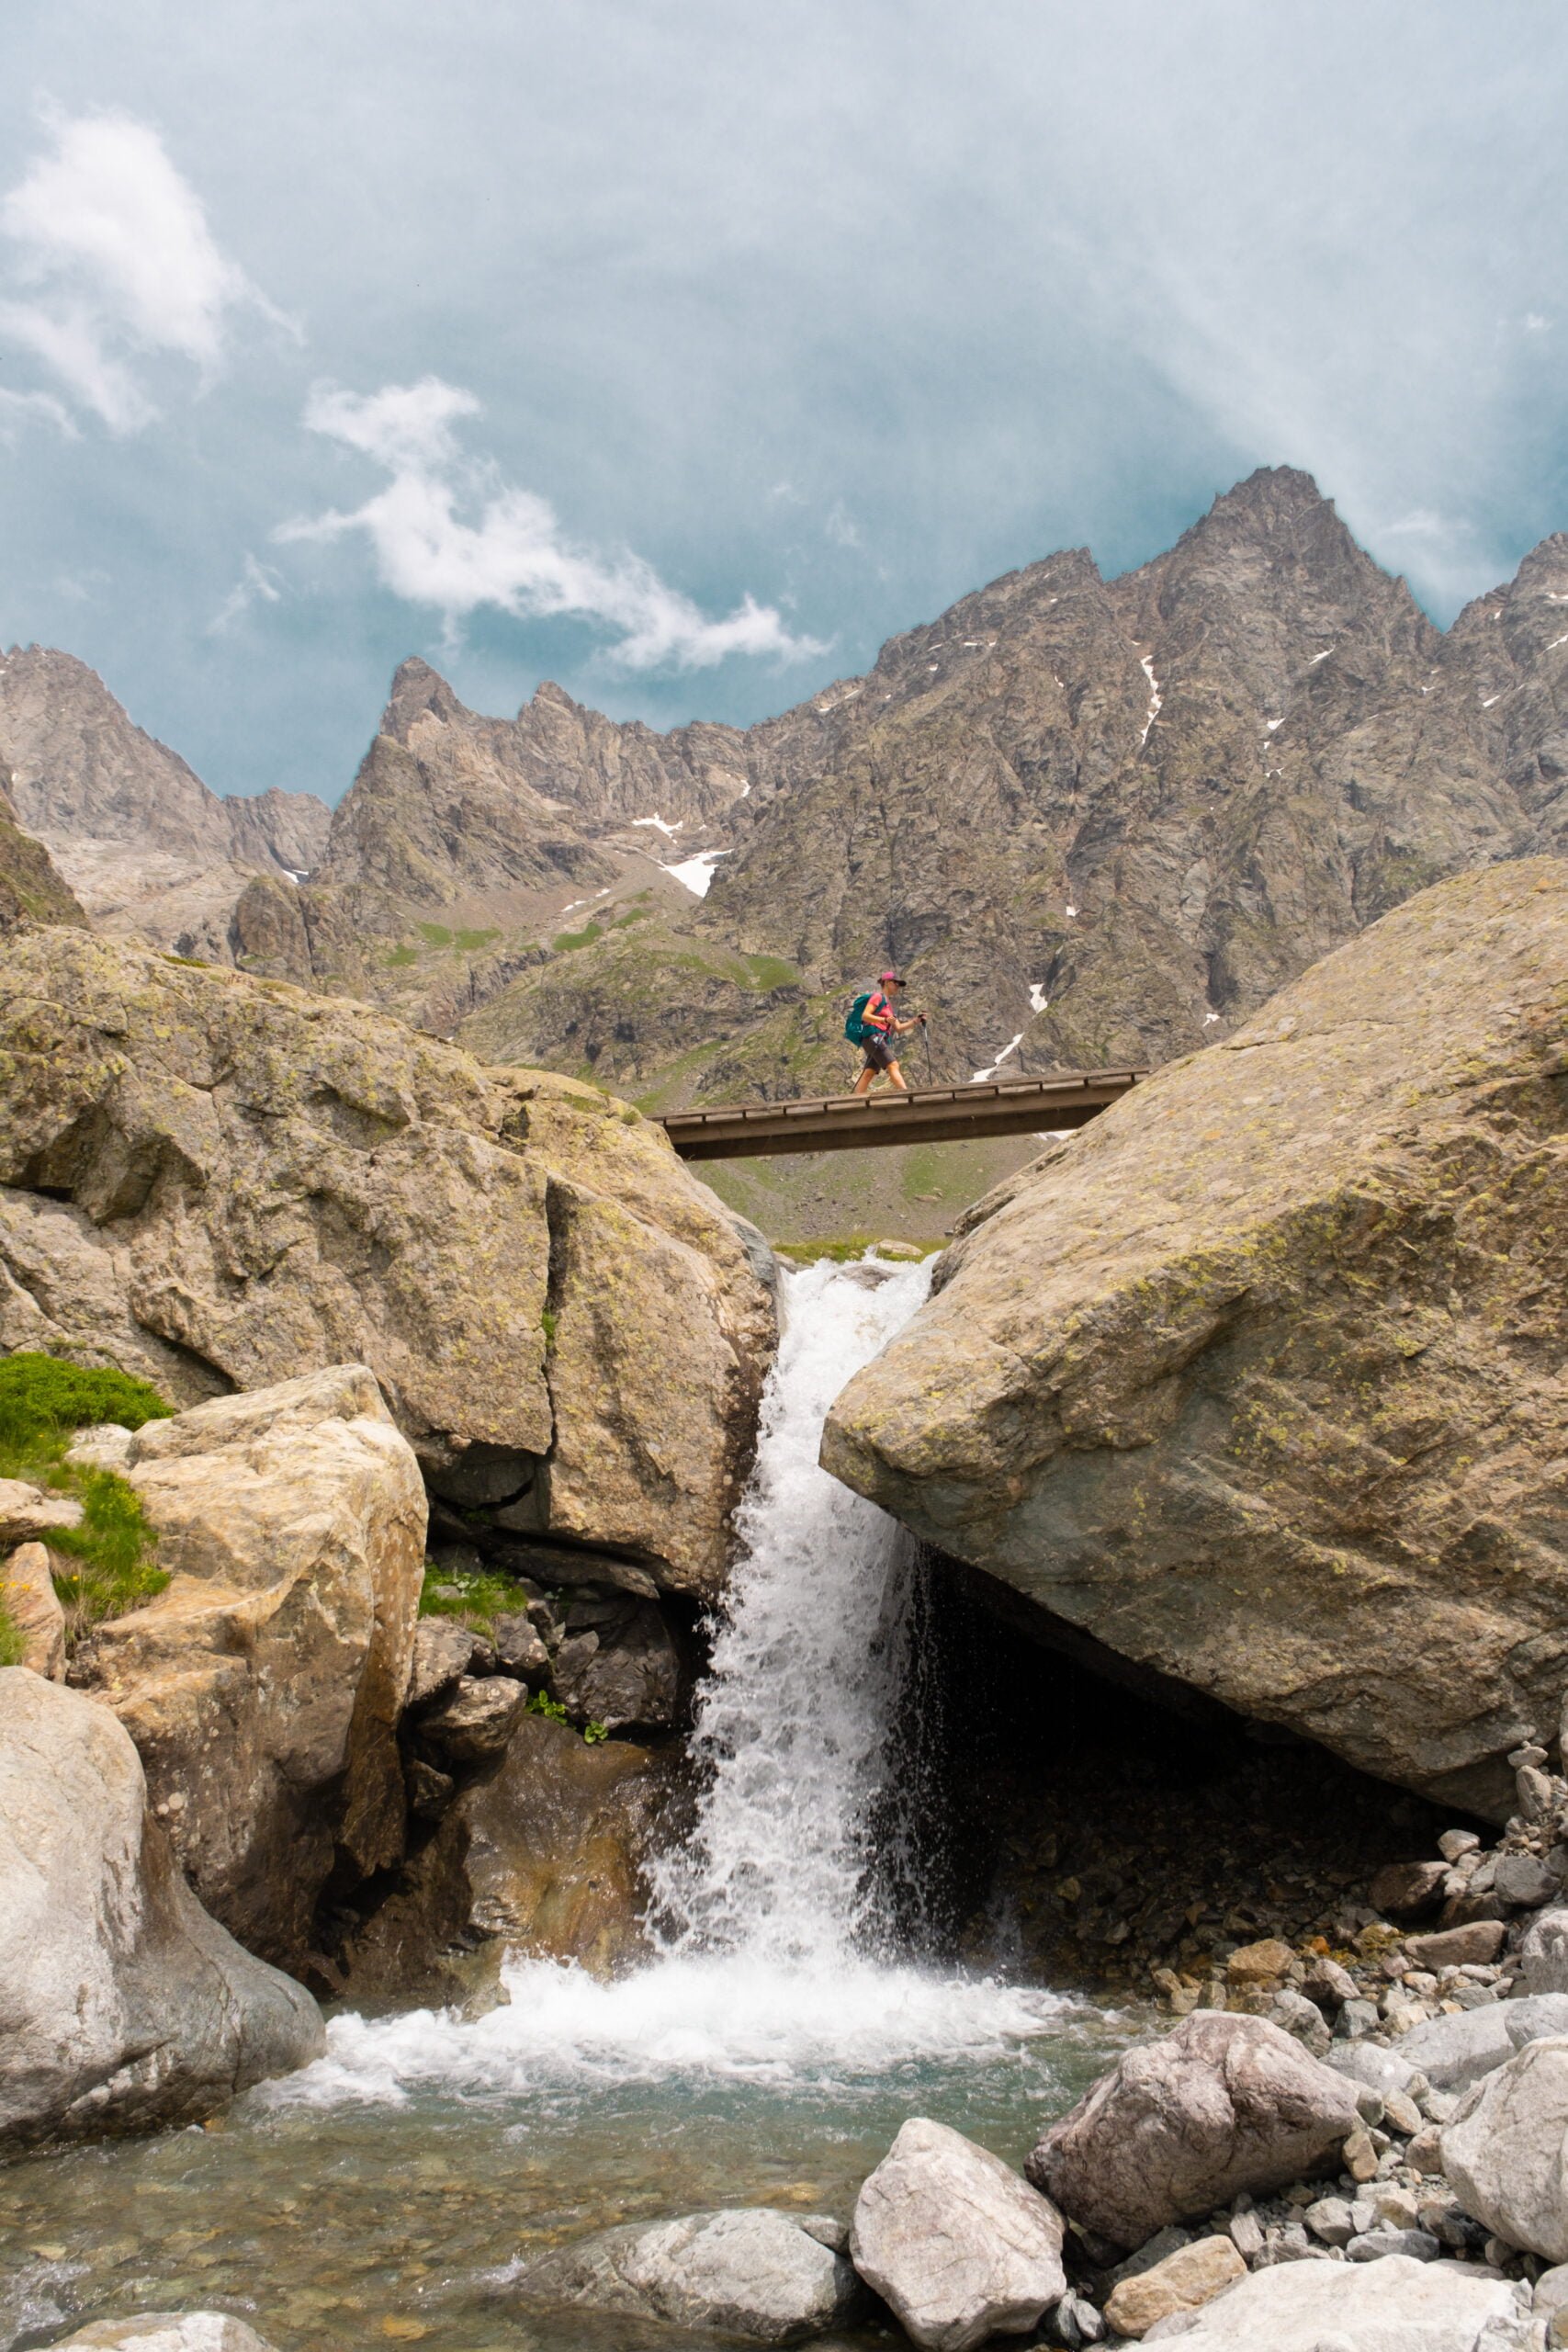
{"x": 683, "y": 352}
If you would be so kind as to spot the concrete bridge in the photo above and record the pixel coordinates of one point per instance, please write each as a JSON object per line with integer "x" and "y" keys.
{"x": 996, "y": 1106}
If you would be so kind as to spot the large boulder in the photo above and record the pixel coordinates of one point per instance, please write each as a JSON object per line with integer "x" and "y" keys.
{"x": 1181, "y": 2125}
{"x": 753, "y": 2272}
{"x": 1395, "y": 2305}
{"x": 122, "y": 2004}
{"x": 954, "y": 2242}
{"x": 263, "y": 1687}
{"x": 1259, "y": 1379}
{"x": 166, "y": 2331}
{"x": 1505, "y": 2152}
{"x": 218, "y": 1182}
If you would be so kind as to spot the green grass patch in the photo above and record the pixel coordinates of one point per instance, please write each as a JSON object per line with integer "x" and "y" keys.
{"x": 13, "y": 1649}
{"x": 565, "y": 940}
{"x": 471, "y": 941}
{"x": 399, "y": 958}
{"x": 43, "y": 1402}
{"x": 434, "y": 934}
{"x": 475, "y": 1596}
{"x": 771, "y": 972}
{"x": 845, "y": 1251}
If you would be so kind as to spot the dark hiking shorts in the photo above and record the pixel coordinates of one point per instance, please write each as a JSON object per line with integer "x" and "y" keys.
{"x": 879, "y": 1052}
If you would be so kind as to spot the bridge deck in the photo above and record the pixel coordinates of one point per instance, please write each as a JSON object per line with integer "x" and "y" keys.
{"x": 998, "y": 1106}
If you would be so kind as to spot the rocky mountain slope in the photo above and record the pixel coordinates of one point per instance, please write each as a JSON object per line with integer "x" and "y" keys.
{"x": 146, "y": 847}
{"x": 1096, "y": 819}
{"x": 31, "y": 887}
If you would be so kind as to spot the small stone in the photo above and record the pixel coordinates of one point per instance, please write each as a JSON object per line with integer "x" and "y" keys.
{"x": 1077, "y": 2323}
{"x": 1301, "y": 2017}
{"x": 429, "y": 1792}
{"x": 1536, "y": 1793}
{"x": 1329, "y": 2220}
{"x": 1499, "y": 2253}
{"x": 1361, "y": 2156}
{"x": 1246, "y": 2234}
{"x": 1529, "y": 1754}
{"x": 1455, "y": 1842}
{"x": 1378, "y": 2243}
{"x": 1406, "y": 1890}
{"x": 1425, "y": 2154}
{"x": 1396, "y": 2208}
{"x": 1327, "y": 1983}
{"x": 519, "y": 1650}
{"x": 1524, "y": 1880}
{"x": 1453, "y": 1947}
{"x": 1401, "y": 2113}
{"x": 1259, "y": 1963}
{"x": 477, "y": 1719}
{"x": 1182, "y": 2282}
{"x": 442, "y": 1650}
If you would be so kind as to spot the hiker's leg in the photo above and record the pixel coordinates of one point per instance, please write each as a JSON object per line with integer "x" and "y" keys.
{"x": 897, "y": 1075}
{"x": 863, "y": 1083}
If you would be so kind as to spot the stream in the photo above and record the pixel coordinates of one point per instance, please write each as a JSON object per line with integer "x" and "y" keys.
{"x": 793, "y": 2016}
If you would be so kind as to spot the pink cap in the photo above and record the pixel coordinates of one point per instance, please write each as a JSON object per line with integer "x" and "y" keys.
{"x": 884, "y": 977}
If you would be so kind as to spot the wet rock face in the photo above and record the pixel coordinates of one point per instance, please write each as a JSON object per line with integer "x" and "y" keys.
{"x": 1206, "y": 1381}
{"x": 217, "y": 1181}
{"x": 263, "y": 1687}
{"x": 123, "y": 2006}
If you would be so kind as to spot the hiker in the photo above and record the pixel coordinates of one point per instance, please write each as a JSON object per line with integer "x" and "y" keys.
{"x": 873, "y": 1024}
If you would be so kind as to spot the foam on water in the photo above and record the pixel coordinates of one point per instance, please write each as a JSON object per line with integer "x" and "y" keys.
{"x": 779, "y": 1962}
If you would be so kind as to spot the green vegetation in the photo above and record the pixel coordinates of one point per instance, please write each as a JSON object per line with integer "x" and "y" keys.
{"x": 43, "y": 1403}
{"x": 850, "y": 1246}
{"x": 549, "y": 1323}
{"x": 471, "y": 941}
{"x": 434, "y": 934}
{"x": 541, "y": 1703}
{"x": 565, "y": 940}
{"x": 400, "y": 956}
{"x": 475, "y": 1596}
{"x": 12, "y": 1646}
{"x": 771, "y": 972}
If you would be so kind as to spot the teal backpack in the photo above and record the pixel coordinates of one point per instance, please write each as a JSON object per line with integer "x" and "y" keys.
{"x": 855, "y": 1029}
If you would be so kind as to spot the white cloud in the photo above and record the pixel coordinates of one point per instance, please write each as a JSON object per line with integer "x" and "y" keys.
{"x": 114, "y": 262}
{"x": 17, "y": 409}
{"x": 257, "y": 583}
{"x": 515, "y": 556}
{"x": 842, "y": 527}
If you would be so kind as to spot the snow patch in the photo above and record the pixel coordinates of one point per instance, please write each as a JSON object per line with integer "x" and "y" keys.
{"x": 1037, "y": 996}
{"x": 694, "y": 874}
{"x": 669, "y": 832}
{"x": 1207, "y": 1017}
{"x": 1147, "y": 664}
{"x": 1556, "y": 641}
{"x": 1311, "y": 665}
{"x": 1489, "y": 700}
{"x": 1271, "y": 724}
{"x": 1069, "y": 911}
{"x": 1007, "y": 1051}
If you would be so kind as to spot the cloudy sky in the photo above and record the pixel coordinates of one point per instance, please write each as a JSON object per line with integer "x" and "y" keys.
{"x": 683, "y": 351}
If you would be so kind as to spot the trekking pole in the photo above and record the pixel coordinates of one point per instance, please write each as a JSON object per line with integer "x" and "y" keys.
{"x": 926, "y": 1034}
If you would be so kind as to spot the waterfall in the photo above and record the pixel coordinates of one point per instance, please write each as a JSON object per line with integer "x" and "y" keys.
{"x": 797, "y": 1724}
{"x": 777, "y": 1962}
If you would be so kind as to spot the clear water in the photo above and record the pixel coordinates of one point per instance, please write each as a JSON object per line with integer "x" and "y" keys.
{"x": 790, "y": 2023}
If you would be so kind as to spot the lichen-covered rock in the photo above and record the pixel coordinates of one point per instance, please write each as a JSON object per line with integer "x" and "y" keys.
{"x": 1260, "y": 1378}
{"x": 122, "y": 2004}
{"x": 263, "y": 1688}
{"x": 1186, "y": 2280}
{"x": 28, "y": 1598}
{"x": 958, "y": 2245}
{"x": 217, "y": 1181}
{"x": 1182, "y": 2125}
{"x": 767, "y": 2277}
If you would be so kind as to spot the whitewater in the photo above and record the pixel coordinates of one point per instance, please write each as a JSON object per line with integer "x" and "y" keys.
{"x": 788, "y": 1926}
